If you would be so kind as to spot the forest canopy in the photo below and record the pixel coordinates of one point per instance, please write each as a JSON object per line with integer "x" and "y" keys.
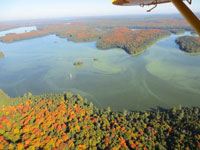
{"x": 67, "y": 121}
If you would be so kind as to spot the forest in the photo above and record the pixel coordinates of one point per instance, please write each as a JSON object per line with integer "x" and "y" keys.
{"x": 189, "y": 44}
{"x": 67, "y": 121}
{"x": 133, "y": 42}
{"x": 8, "y": 26}
{"x": 138, "y": 22}
{"x": 9, "y": 38}
{"x": 92, "y": 29}
{"x": 109, "y": 32}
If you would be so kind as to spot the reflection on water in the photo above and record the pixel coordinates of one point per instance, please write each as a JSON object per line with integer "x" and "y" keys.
{"x": 161, "y": 76}
{"x": 18, "y": 30}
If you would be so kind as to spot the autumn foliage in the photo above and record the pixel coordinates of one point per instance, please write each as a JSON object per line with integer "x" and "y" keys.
{"x": 22, "y": 36}
{"x": 69, "y": 122}
{"x": 133, "y": 42}
{"x": 189, "y": 44}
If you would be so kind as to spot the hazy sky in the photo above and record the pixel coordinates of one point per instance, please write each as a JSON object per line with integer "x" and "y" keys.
{"x": 26, "y": 9}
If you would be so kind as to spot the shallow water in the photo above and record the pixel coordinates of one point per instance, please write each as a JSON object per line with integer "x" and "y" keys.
{"x": 163, "y": 76}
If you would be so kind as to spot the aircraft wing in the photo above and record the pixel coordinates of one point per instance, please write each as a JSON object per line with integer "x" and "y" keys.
{"x": 139, "y": 2}
{"x": 180, "y": 5}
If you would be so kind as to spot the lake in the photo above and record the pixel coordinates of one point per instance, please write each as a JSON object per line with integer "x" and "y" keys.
{"x": 163, "y": 76}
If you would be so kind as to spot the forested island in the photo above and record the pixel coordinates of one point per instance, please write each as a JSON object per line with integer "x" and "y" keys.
{"x": 1, "y": 54}
{"x": 67, "y": 121}
{"x": 78, "y": 63}
{"x": 189, "y": 44}
{"x": 95, "y": 59}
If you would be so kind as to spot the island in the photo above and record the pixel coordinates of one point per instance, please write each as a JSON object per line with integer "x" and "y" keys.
{"x": 95, "y": 59}
{"x": 189, "y": 44}
{"x": 68, "y": 121}
{"x": 78, "y": 63}
{"x": 1, "y": 54}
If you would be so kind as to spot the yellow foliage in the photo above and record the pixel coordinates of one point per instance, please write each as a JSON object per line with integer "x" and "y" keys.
{"x": 16, "y": 131}
{"x": 81, "y": 147}
{"x": 11, "y": 147}
{"x": 77, "y": 128}
{"x": 2, "y": 131}
{"x": 20, "y": 146}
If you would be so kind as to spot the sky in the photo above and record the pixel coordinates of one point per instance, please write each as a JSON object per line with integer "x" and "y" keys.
{"x": 35, "y": 9}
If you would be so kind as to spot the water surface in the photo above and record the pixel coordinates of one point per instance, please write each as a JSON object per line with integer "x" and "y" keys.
{"x": 163, "y": 76}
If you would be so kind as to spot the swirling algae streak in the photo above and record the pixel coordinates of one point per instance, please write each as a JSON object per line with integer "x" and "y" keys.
{"x": 150, "y": 91}
{"x": 181, "y": 78}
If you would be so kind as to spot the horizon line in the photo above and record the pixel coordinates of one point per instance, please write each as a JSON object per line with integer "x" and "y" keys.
{"x": 90, "y": 16}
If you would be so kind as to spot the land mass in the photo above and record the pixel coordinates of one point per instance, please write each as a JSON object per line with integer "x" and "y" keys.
{"x": 4, "y": 98}
{"x": 67, "y": 121}
{"x": 189, "y": 44}
{"x": 109, "y": 32}
{"x": 133, "y": 42}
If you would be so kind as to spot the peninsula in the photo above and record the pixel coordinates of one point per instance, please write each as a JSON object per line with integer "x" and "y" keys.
{"x": 189, "y": 44}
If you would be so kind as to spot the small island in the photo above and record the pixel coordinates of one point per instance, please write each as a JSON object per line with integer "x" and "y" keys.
{"x": 95, "y": 59}
{"x": 1, "y": 54}
{"x": 189, "y": 44}
{"x": 78, "y": 63}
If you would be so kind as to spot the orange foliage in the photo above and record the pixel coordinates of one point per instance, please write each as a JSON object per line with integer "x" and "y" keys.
{"x": 27, "y": 35}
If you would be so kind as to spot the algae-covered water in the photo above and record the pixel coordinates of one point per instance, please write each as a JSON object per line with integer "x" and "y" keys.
{"x": 163, "y": 76}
